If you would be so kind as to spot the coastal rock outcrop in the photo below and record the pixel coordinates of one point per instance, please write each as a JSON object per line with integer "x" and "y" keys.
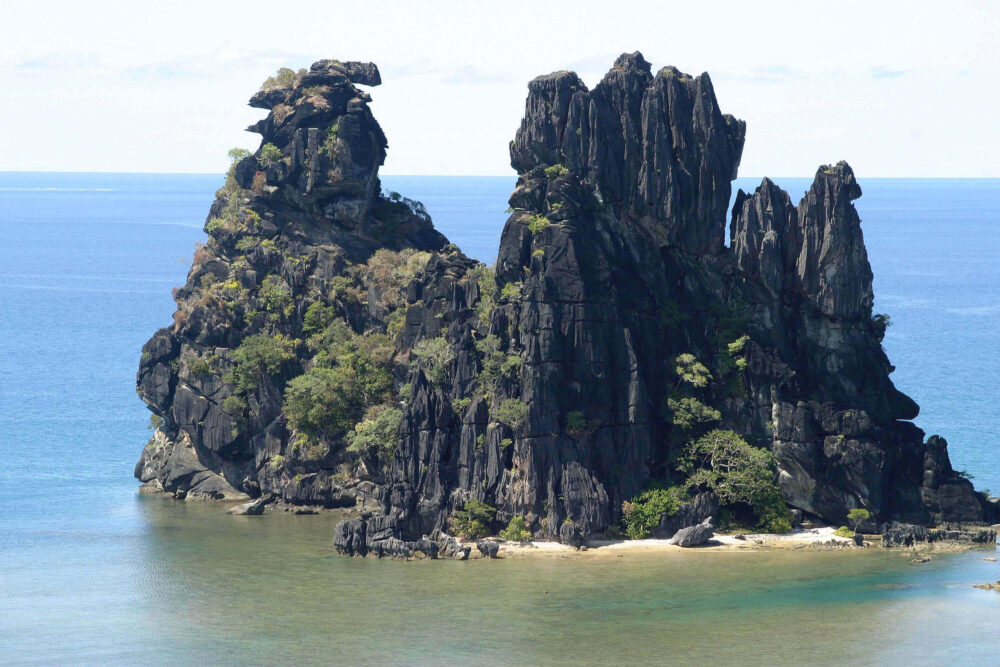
{"x": 899, "y": 534}
{"x": 332, "y": 349}
{"x": 693, "y": 536}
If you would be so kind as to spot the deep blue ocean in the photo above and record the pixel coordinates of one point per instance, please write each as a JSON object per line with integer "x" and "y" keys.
{"x": 90, "y": 572}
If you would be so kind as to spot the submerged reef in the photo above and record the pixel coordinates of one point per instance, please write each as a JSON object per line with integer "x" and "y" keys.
{"x": 618, "y": 366}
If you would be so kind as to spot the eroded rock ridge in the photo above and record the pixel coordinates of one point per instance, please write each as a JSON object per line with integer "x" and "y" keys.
{"x": 330, "y": 348}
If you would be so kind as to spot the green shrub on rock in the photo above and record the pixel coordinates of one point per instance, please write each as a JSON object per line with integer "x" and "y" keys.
{"x": 643, "y": 513}
{"x": 555, "y": 171}
{"x": 538, "y": 223}
{"x": 269, "y": 154}
{"x": 692, "y": 371}
{"x": 257, "y": 356}
{"x": 687, "y": 412}
{"x": 435, "y": 355}
{"x": 511, "y": 412}
{"x": 473, "y": 520}
{"x": 377, "y": 433}
{"x": 328, "y": 401}
{"x": 283, "y": 78}
{"x": 516, "y": 530}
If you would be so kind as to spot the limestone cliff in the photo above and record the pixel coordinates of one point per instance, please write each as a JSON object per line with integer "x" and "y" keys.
{"x": 330, "y": 348}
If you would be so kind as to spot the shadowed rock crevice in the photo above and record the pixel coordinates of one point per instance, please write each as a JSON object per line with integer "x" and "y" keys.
{"x": 330, "y": 348}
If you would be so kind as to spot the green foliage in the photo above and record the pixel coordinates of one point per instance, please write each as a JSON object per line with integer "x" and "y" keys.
{"x": 247, "y": 243}
{"x": 269, "y": 154}
{"x": 283, "y": 78}
{"x": 234, "y": 405}
{"x": 486, "y": 278}
{"x": 738, "y": 473}
{"x": 317, "y": 318}
{"x": 857, "y": 516}
{"x": 473, "y": 520}
{"x": 497, "y": 366}
{"x": 352, "y": 373}
{"x": 538, "y": 223}
{"x": 237, "y": 154}
{"x": 687, "y": 412}
{"x": 576, "y": 423}
{"x": 511, "y": 291}
{"x": 330, "y": 143}
{"x": 258, "y": 356}
{"x": 435, "y": 356}
{"x": 377, "y": 433}
{"x": 692, "y": 371}
{"x": 555, "y": 171}
{"x": 844, "y": 531}
{"x": 643, "y": 513}
{"x": 459, "y": 405}
{"x": 516, "y": 530}
{"x": 277, "y": 461}
{"x": 511, "y": 412}
{"x": 155, "y": 422}
{"x": 276, "y": 296}
{"x": 198, "y": 366}
{"x": 737, "y": 346}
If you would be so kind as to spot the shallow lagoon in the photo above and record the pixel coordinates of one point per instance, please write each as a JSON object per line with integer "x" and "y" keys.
{"x": 184, "y": 582}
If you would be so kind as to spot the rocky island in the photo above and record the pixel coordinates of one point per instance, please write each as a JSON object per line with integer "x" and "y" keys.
{"x": 620, "y": 368}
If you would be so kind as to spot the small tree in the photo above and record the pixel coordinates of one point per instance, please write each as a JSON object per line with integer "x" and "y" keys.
{"x": 473, "y": 520}
{"x": 511, "y": 412}
{"x": 516, "y": 530}
{"x": 692, "y": 371}
{"x": 269, "y": 154}
{"x": 237, "y": 154}
{"x": 737, "y": 472}
{"x": 858, "y": 515}
{"x": 435, "y": 355}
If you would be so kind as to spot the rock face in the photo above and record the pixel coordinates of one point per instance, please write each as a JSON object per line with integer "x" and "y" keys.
{"x": 906, "y": 535}
{"x": 693, "y": 536}
{"x": 703, "y": 507}
{"x": 540, "y": 388}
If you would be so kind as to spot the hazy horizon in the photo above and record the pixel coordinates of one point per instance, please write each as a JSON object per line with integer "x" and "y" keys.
{"x": 899, "y": 89}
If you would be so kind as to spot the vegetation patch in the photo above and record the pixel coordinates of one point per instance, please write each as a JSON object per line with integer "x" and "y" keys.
{"x": 739, "y": 475}
{"x": 473, "y": 521}
{"x": 378, "y": 433}
{"x": 555, "y": 171}
{"x": 435, "y": 356}
{"x": 283, "y": 78}
{"x": 643, "y": 513}
{"x": 538, "y": 223}
{"x": 516, "y": 530}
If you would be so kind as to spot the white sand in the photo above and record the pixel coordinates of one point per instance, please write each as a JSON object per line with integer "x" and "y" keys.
{"x": 797, "y": 539}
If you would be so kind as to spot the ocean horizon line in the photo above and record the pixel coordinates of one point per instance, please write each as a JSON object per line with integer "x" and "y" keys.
{"x": 862, "y": 178}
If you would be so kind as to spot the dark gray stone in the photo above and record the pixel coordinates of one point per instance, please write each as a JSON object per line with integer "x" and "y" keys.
{"x": 692, "y": 536}
{"x": 702, "y": 506}
{"x": 488, "y": 548}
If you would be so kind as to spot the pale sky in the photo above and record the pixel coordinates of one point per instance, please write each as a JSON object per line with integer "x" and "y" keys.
{"x": 896, "y": 88}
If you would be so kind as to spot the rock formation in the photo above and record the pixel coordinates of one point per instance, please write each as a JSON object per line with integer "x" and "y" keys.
{"x": 331, "y": 349}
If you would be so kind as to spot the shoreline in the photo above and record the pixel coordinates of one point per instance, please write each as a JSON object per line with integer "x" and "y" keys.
{"x": 597, "y": 548}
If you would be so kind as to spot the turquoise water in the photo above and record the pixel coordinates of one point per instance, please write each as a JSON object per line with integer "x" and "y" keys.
{"x": 90, "y": 572}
